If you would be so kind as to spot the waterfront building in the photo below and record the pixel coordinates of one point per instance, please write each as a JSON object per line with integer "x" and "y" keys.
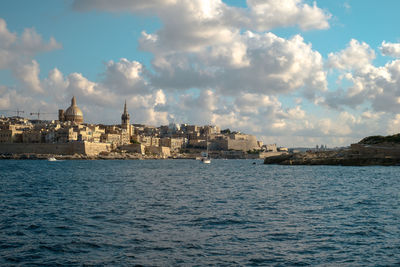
{"x": 32, "y": 136}
{"x": 10, "y": 134}
{"x": 175, "y": 144}
{"x": 70, "y": 135}
{"x": 235, "y": 141}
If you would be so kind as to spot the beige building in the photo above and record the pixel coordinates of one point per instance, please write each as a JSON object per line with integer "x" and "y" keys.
{"x": 73, "y": 113}
{"x": 175, "y": 144}
{"x": 159, "y": 150}
{"x": 11, "y": 134}
{"x": 235, "y": 141}
{"x": 148, "y": 140}
{"x": 32, "y": 136}
{"x": 65, "y": 135}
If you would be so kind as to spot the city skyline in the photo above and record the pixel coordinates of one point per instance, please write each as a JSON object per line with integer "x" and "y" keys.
{"x": 295, "y": 73}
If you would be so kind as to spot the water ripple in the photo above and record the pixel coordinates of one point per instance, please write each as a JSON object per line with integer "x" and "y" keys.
{"x": 181, "y": 212}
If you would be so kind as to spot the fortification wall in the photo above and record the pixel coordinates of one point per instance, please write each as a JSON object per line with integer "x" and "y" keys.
{"x": 38, "y": 148}
{"x": 133, "y": 148}
{"x": 85, "y": 148}
{"x": 95, "y": 148}
{"x": 244, "y": 145}
{"x": 159, "y": 150}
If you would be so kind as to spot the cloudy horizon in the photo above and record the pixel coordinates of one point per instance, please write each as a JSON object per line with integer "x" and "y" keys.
{"x": 293, "y": 72}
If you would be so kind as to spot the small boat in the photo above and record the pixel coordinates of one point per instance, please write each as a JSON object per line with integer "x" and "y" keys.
{"x": 52, "y": 159}
{"x": 206, "y": 160}
{"x": 205, "y": 157}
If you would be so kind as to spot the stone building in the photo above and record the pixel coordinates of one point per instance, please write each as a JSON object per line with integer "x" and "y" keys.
{"x": 235, "y": 141}
{"x": 175, "y": 144}
{"x": 10, "y": 134}
{"x": 73, "y": 113}
{"x": 11, "y": 129}
{"x": 125, "y": 121}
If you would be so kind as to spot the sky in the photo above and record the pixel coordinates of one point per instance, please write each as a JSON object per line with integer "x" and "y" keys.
{"x": 292, "y": 72}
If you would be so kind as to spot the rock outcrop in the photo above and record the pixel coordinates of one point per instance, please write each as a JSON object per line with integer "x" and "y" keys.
{"x": 340, "y": 157}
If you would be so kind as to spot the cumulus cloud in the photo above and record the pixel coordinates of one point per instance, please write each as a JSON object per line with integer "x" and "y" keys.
{"x": 28, "y": 75}
{"x": 265, "y": 15}
{"x": 276, "y": 65}
{"x": 259, "y": 15}
{"x": 119, "y": 5}
{"x": 266, "y": 64}
{"x": 390, "y": 49}
{"x": 22, "y": 49}
{"x": 362, "y": 82}
{"x": 17, "y": 53}
{"x": 356, "y": 56}
{"x": 125, "y": 77}
{"x": 6, "y": 38}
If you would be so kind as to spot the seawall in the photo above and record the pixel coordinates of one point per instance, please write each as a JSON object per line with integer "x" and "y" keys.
{"x": 84, "y": 148}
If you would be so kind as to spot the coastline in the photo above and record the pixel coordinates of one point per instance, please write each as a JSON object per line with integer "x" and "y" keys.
{"x": 113, "y": 156}
{"x": 110, "y": 156}
{"x": 345, "y": 157}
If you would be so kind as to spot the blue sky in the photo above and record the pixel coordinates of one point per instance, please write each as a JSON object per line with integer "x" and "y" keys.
{"x": 321, "y": 89}
{"x": 100, "y": 36}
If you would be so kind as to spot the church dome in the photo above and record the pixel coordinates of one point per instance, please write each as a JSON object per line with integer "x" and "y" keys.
{"x": 74, "y": 113}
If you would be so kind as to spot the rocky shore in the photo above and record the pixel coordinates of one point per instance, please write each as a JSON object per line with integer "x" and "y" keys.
{"x": 344, "y": 157}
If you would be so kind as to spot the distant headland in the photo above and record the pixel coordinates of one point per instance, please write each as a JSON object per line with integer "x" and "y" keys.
{"x": 372, "y": 150}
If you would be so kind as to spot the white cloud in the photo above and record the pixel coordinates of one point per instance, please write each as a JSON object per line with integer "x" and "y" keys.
{"x": 356, "y": 56}
{"x": 20, "y": 50}
{"x": 264, "y": 64}
{"x": 28, "y": 75}
{"x": 347, "y": 6}
{"x": 17, "y": 53}
{"x": 259, "y": 15}
{"x": 369, "y": 85}
{"x": 120, "y": 5}
{"x": 390, "y": 49}
{"x": 125, "y": 76}
{"x": 265, "y": 15}
{"x": 6, "y": 38}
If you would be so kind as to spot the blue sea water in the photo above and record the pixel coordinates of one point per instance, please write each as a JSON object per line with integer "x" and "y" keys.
{"x": 183, "y": 212}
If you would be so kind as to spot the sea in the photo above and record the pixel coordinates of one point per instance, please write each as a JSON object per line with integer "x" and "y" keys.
{"x": 185, "y": 213}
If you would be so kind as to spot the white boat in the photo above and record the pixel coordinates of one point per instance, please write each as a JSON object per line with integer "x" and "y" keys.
{"x": 205, "y": 157}
{"x": 52, "y": 159}
{"x": 206, "y": 160}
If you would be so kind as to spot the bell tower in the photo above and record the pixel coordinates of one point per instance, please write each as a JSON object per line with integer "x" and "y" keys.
{"x": 125, "y": 120}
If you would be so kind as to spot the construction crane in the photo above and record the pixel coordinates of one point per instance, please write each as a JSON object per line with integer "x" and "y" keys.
{"x": 15, "y": 111}
{"x": 40, "y": 113}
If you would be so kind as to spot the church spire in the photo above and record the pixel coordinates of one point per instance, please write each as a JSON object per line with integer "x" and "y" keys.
{"x": 73, "y": 101}
{"x": 125, "y": 116}
{"x": 125, "y": 120}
